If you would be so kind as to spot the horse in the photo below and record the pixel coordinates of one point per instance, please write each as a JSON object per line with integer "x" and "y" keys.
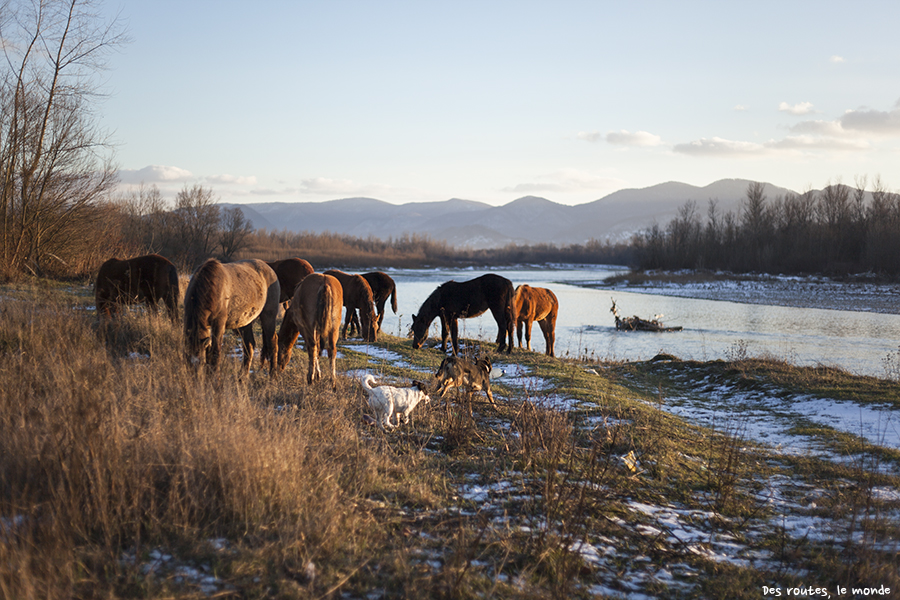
{"x": 231, "y": 296}
{"x": 461, "y": 300}
{"x": 290, "y": 272}
{"x": 536, "y": 304}
{"x": 357, "y": 295}
{"x": 146, "y": 279}
{"x": 315, "y": 312}
{"x": 383, "y": 287}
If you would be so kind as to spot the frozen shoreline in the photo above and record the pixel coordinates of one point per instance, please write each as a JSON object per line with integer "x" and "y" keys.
{"x": 794, "y": 292}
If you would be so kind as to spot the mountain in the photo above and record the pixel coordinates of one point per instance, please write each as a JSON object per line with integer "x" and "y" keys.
{"x": 527, "y": 220}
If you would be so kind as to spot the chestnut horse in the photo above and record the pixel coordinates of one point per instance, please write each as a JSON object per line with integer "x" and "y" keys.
{"x": 290, "y": 272}
{"x": 315, "y": 312}
{"x": 454, "y": 300}
{"x": 231, "y": 296}
{"x": 383, "y": 287}
{"x": 536, "y": 304}
{"x": 357, "y": 296}
{"x": 146, "y": 279}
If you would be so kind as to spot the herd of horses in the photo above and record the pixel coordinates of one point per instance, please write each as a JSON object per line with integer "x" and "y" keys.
{"x": 235, "y": 295}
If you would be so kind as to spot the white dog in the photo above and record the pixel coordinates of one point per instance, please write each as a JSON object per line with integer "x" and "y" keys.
{"x": 387, "y": 400}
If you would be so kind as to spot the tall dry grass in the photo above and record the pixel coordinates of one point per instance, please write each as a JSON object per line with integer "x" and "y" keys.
{"x": 110, "y": 445}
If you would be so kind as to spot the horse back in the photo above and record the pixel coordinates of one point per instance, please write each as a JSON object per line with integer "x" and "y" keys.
{"x": 290, "y": 272}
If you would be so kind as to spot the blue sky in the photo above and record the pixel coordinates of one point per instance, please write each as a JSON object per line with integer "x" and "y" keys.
{"x": 491, "y": 100}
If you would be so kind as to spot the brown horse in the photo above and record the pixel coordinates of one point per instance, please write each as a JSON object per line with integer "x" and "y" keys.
{"x": 536, "y": 304}
{"x": 290, "y": 272}
{"x": 357, "y": 296}
{"x": 315, "y": 312}
{"x": 146, "y": 279}
{"x": 454, "y": 300}
{"x": 383, "y": 287}
{"x": 231, "y": 296}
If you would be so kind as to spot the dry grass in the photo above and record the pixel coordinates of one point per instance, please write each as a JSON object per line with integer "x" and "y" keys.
{"x": 110, "y": 445}
{"x": 115, "y": 456}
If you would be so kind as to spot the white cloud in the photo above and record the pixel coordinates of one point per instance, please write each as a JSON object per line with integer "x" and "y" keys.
{"x": 886, "y": 123}
{"x": 741, "y": 108}
{"x": 566, "y": 181}
{"x": 590, "y": 136}
{"x": 232, "y": 180}
{"x": 837, "y": 59}
{"x": 802, "y": 108}
{"x": 638, "y": 138}
{"x": 155, "y": 174}
{"x": 622, "y": 138}
{"x": 813, "y": 142}
{"x": 717, "y": 146}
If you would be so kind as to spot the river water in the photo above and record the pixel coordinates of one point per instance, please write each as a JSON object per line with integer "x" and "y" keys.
{"x": 860, "y": 342}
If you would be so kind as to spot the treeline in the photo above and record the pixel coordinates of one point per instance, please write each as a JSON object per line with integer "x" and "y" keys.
{"x": 409, "y": 251}
{"x": 838, "y": 230}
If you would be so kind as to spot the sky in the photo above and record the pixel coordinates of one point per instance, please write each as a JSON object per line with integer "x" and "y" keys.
{"x": 420, "y": 101}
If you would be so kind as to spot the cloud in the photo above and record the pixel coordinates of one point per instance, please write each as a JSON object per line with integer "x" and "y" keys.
{"x": 638, "y": 138}
{"x": 155, "y": 174}
{"x": 741, "y": 108}
{"x": 855, "y": 124}
{"x": 886, "y": 123}
{"x": 717, "y": 146}
{"x": 590, "y": 136}
{"x": 803, "y": 108}
{"x": 232, "y": 180}
{"x": 622, "y": 138}
{"x": 837, "y": 59}
{"x": 566, "y": 181}
{"x": 812, "y": 142}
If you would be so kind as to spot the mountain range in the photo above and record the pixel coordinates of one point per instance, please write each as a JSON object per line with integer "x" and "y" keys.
{"x": 527, "y": 220}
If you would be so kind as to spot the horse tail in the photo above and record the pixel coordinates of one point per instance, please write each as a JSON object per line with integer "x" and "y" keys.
{"x": 171, "y": 296}
{"x": 394, "y": 298}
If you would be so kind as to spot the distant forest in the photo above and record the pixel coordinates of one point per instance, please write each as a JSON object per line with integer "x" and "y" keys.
{"x": 839, "y": 230}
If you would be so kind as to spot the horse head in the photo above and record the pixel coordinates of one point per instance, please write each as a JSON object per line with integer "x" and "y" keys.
{"x": 419, "y": 331}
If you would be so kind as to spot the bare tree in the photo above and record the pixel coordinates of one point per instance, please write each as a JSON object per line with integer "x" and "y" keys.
{"x": 196, "y": 218}
{"x": 235, "y": 230}
{"x": 54, "y": 160}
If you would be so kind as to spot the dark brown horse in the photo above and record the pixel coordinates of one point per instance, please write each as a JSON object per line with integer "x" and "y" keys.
{"x": 383, "y": 287}
{"x": 454, "y": 300}
{"x": 231, "y": 296}
{"x": 290, "y": 272}
{"x": 357, "y": 296}
{"x": 536, "y": 304}
{"x": 145, "y": 279}
{"x": 315, "y": 312}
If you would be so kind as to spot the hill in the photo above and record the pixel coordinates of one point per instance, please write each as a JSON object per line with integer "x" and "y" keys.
{"x": 527, "y": 220}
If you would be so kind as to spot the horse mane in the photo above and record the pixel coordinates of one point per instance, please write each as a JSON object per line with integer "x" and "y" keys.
{"x": 432, "y": 305}
{"x": 205, "y": 286}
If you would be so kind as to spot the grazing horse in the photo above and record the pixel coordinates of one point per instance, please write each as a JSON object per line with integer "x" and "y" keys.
{"x": 357, "y": 295}
{"x": 383, "y": 287}
{"x": 536, "y": 304}
{"x": 231, "y": 296}
{"x": 454, "y": 300}
{"x": 145, "y": 279}
{"x": 290, "y": 272}
{"x": 315, "y": 312}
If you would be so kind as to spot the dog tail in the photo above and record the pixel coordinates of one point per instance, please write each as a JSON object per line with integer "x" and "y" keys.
{"x": 367, "y": 382}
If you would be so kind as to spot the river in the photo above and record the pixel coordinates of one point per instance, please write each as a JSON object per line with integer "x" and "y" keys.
{"x": 860, "y": 342}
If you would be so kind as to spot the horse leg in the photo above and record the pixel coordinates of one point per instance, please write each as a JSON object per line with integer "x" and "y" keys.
{"x": 246, "y": 333}
{"x": 332, "y": 357}
{"x": 454, "y": 335}
{"x": 214, "y": 354}
{"x": 546, "y": 325}
{"x": 528, "y": 325}
{"x": 312, "y": 350}
{"x": 380, "y": 308}
{"x": 444, "y": 334}
{"x": 355, "y": 327}
{"x": 269, "y": 342}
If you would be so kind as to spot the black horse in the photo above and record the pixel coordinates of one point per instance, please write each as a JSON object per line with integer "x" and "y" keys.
{"x": 454, "y": 300}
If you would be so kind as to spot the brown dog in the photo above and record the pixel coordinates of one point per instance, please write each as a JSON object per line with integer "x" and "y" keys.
{"x": 456, "y": 371}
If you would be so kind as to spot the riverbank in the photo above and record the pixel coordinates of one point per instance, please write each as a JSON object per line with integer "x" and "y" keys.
{"x": 860, "y": 294}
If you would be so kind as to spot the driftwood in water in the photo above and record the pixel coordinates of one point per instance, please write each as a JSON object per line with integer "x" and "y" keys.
{"x": 639, "y": 324}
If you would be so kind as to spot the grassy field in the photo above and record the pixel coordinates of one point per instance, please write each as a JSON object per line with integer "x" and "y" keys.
{"x": 123, "y": 474}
